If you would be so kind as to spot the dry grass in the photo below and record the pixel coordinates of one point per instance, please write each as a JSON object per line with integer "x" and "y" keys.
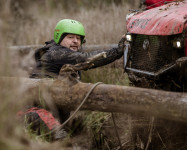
{"x": 22, "y": 24}
{"x": 102, "y": 25}
{"x": 30, "y": 23}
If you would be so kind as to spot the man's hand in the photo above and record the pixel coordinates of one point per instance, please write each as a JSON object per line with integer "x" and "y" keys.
{"x": 121, "y": 44}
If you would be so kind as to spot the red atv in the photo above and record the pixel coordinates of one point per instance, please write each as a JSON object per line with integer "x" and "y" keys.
{"x": 156, "y": 51}
{"x": 153, "y": 3}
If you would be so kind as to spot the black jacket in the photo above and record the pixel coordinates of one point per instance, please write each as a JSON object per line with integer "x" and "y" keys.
{"x": 50, "y": 58}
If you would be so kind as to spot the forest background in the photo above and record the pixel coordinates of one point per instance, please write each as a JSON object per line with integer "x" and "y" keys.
{"x": 24, "y": 22}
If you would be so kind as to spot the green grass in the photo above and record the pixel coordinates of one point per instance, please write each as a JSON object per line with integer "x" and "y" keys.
{"x": 106, "y": 75}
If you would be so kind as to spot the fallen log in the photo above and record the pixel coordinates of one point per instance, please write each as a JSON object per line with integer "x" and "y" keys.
{"x": 68, "y": 93}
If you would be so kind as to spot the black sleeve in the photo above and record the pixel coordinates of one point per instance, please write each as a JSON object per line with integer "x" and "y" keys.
{"x": 111, "y": 56}
{"x": 67, "y": 56}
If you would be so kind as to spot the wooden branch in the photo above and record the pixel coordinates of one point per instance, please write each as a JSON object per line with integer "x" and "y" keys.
{"x": 82, "y": 66}
{"x": 69, "y": 93}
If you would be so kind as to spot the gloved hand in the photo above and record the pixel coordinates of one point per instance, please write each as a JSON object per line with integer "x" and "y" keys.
{"x": 121, "y": 44}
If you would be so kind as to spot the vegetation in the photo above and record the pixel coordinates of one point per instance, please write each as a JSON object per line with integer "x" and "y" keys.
{"x": 24, "y": 22}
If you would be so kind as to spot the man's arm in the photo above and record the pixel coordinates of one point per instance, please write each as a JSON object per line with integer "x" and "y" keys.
{"x": 60, "y": 55}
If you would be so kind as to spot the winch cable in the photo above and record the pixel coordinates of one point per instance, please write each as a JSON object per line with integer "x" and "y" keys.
{"x": 74, "y": 113}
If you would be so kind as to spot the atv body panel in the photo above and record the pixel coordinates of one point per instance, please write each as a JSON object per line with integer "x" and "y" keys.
{"x": 168, "y": 19}
{"x": 155, "y": 3}
{"x": 157, "y": 54}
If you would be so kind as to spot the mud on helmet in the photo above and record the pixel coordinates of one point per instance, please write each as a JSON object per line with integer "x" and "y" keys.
{"x": 67, "y": 26}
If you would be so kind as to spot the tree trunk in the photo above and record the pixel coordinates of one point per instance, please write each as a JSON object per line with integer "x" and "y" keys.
{"x": 68, "y": 93}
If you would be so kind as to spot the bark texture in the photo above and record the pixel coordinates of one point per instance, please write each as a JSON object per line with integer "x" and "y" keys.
{"x": 68, "y": 93}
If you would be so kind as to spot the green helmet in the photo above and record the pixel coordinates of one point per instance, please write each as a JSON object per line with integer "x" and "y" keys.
{"x": 68, "y": 26}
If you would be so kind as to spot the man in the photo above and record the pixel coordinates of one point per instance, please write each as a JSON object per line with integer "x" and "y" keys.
{"x": 69, "y": 35}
